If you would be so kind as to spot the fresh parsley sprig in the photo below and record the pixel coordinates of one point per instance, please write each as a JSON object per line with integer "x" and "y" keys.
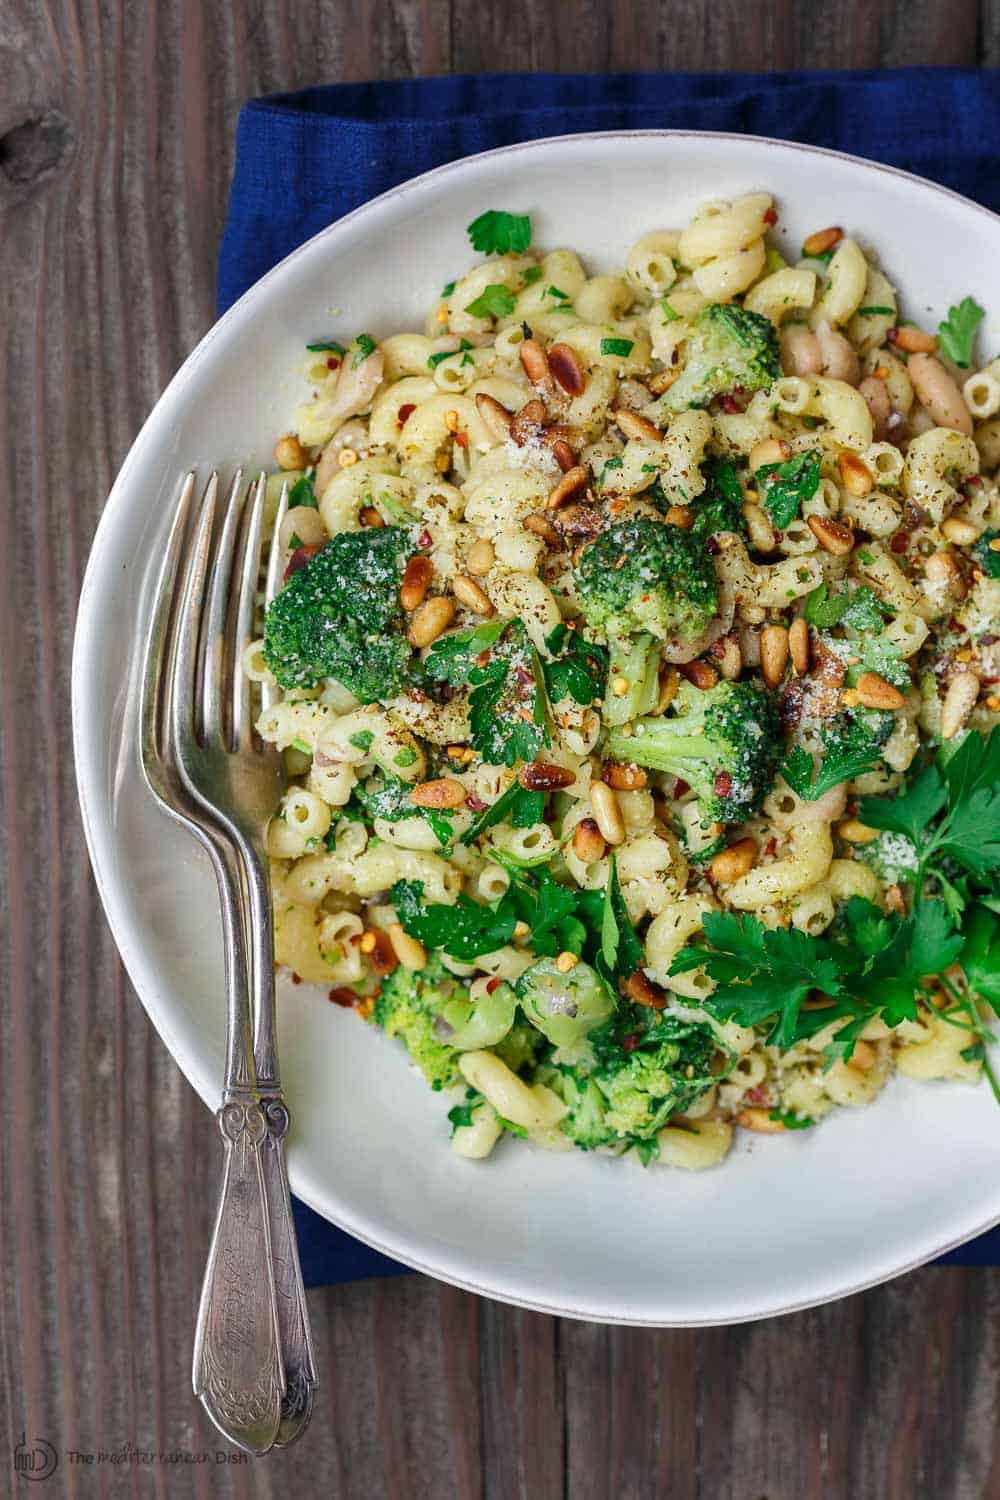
{"x": 784, "y": 487}
{"x": 958, "y": 330}
{"x": 496, "y": 232}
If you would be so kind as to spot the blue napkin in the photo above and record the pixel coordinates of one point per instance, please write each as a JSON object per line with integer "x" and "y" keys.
{"x": 303, "y": 160}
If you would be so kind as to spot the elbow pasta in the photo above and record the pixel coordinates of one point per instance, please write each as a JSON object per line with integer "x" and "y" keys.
{"x": 474, "y": 859}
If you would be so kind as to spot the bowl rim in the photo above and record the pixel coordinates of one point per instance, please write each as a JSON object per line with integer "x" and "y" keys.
{"x": 88, "y": 777}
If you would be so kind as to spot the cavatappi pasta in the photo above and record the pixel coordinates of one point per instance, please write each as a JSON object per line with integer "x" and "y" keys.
{"x": 574, "y": 572}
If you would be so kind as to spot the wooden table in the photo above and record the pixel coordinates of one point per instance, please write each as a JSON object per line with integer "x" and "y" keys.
{"x": 117, "y": 121}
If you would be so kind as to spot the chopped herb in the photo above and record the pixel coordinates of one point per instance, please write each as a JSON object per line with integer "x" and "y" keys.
{"x": 495, "y": 232}
{"x": 365, "y": 346}
{"x": 406, "y": 757}
{"x": 514, "y": 1129}
{"x": 785, "y": 486}
{"x": 557, "y": 293}
{"x": 433, "y": 360}
{"x": 294, "y": 540}
{"x": 958, "y": 330}
{"x": 578, "y": 669}
{"x": 302, "y": 746}
{"x": 362, "y": 741}
{"x": 791, "y": 1121}
{"x": 622, "y": 348}
{"x": 874, "y": 312}
{"x": 303, "y": 492}
{"x": 669, "y": 315}
{"x": 531, "y": 275}
{"x": 448, "y": 288}
{"x": 520, "y": 808}
{"x": 507, "y": 710}
{"x": 494, "y": 302}
{"x": 326, "y": 346}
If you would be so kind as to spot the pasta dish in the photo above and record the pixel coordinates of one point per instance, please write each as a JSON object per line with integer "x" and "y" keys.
{"x": 639, "y": 646}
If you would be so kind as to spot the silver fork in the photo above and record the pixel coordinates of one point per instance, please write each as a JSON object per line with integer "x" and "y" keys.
{"x": 254, "y": 1368}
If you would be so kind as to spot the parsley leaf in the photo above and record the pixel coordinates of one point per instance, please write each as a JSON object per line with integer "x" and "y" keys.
{"x": 520, "y": 808}
{"x": 303, "y": 492}
{"x": 846, "y": 756}
{"x": 578, "y": 670}
{"x": 388, "y": 797}
{"x": 911, "y": 811}
{"x": 981, "y": 954}
{"x": 783, "y": 487}
{"x": 365, "y": 346}
{"x": 621, "y": 949}
{"x": 986, "y": 555}
{"x": 496, "y": 231}
{"x": 622, "y": 348}
{"x": 326, "y": 346}
{"x": 494, "y": 301}
{"x": 507, "y": 708}
{"x": 465, "y": 930}
{"x": 957, "y": 331}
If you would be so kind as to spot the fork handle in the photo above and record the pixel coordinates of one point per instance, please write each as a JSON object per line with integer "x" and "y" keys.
{"x": 238, "y": 1370}
{"x": 293, "y": 1315}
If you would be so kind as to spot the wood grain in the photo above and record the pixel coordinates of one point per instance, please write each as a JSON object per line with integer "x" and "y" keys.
{"x": 117, "y": 120}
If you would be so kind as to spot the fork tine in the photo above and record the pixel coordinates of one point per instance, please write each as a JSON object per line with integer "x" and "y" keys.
{"x": 248, "y": 565}
{"x": 269, "y": 691}
{"x": 183, "y": 660}
{"x": 152, "y": 691}
{"x": 213, "y": 707}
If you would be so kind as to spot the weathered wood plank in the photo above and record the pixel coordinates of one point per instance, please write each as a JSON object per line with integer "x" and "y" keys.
{"x": 116, "y": 136}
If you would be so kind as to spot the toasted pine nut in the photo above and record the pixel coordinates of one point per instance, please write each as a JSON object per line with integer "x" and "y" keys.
{"x": 759, "y": 527}
{"x": 346, "y": 458}
{"x": 798, "y": 645}
{"x": 821, "y": 240}
{"x": 942, "y": 568}
{"x": 543, "y": 527}
{"x": 496, "y": 416}
{"x": 289, "y": 452}
{"x": 760, "y": 1121}
{"x": 679, "y": 515}
{"x": 525, "y": 423}
{"x": 430, "y": 619}
{"x": 862, "y": 1059}
{"x": 733, "y": 863}
{"x": 521, "y": 931}
{"x": 624, "y": 778}
{"x": 563, "y": 454}
{"x": 416, "y": 582}
{"x": 853, "y": 831}
{"x": 635, "y": 426}
{"x": 371, "y": 518}
{"x": 535, "y": 361}
{"x": 959, "y": 701}
{"x": 565, "y": 365}
{"x": 894, "y": 900}
{"x": 963, "y": 533}
{"x": 670, "y": 681}
{"x": 914, "y": 341}
{"x": 727, "y": 656}
{"x": 480, "y": 558}
{"x": 700, "y": 674}
{"x": 443, "y": 792}
{"x": 569, "y": 485}
{"x": 832, "y": 536}
{"x": 769, "y": 451}
{"x": 663, "y": 381}
{"x": 544, "y": 776}
{"x": 588, "y": 841}
{"x": 874, "y": 692}
{"x": 409, "y": 950}
{"x": 993, "y": 703}
{"x": 468, "y": 592}
{"x": 856, "y": 476}
{"x": 566, "y": 962}
{"x": 607, "y": 813}
{"x": 773, "y": 653}
{"x": 640, "y": 988}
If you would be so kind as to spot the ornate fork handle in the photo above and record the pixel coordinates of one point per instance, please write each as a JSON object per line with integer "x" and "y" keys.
{"x": 238, "y": 1369}
{"x": 293, "y": 1319}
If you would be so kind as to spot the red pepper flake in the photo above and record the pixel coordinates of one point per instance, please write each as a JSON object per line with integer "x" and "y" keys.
{"x": 476, "y": 803}
{"x": 299, "y": 559}
{"x": 711, "y": 546}
{"x": 404, "y": 412}
{"x": 492, "y": 985}
{"x": 425, "y": 539}
{"x": 296, "y": 978}
{"x": 681, "y": 787}
{"x": 462, "y": 439}
{"x": 343, "y": 995}
{"x": 629, "y": 1043}
{"x": 974, "y": 481}
{"x": 723, "y": 784}
{"x": 770, "y": 846}
{"x": 482, "y": 658}
{"x": 758, "y": 1095}
{"x": 899, "y": 541}
{"x": 523, "y": 675}
{"x": 771, "y": 217}
{"x": 333, "y": 363}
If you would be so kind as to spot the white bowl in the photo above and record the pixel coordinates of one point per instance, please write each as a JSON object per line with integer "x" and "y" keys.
{"x": 786, "y": 1221}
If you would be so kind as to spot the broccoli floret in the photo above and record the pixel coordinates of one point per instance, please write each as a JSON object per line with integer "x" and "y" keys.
{"x": 564, "y": 1007}
{"x": 642, "y": 575}
{"x": 636, "y": 662}
{"x": 986, "y": 557}
{"x": 519, "y": 1049}
{"x": 340, "y": 616}
{"x": 728, "y": 349}
{"x": 430, "y": 1011}
{"x": 720, "y": 505}
{"x": 641, "y": 1067}
{"x": 724, "y": 742}
{"x": 892, "y": 856}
